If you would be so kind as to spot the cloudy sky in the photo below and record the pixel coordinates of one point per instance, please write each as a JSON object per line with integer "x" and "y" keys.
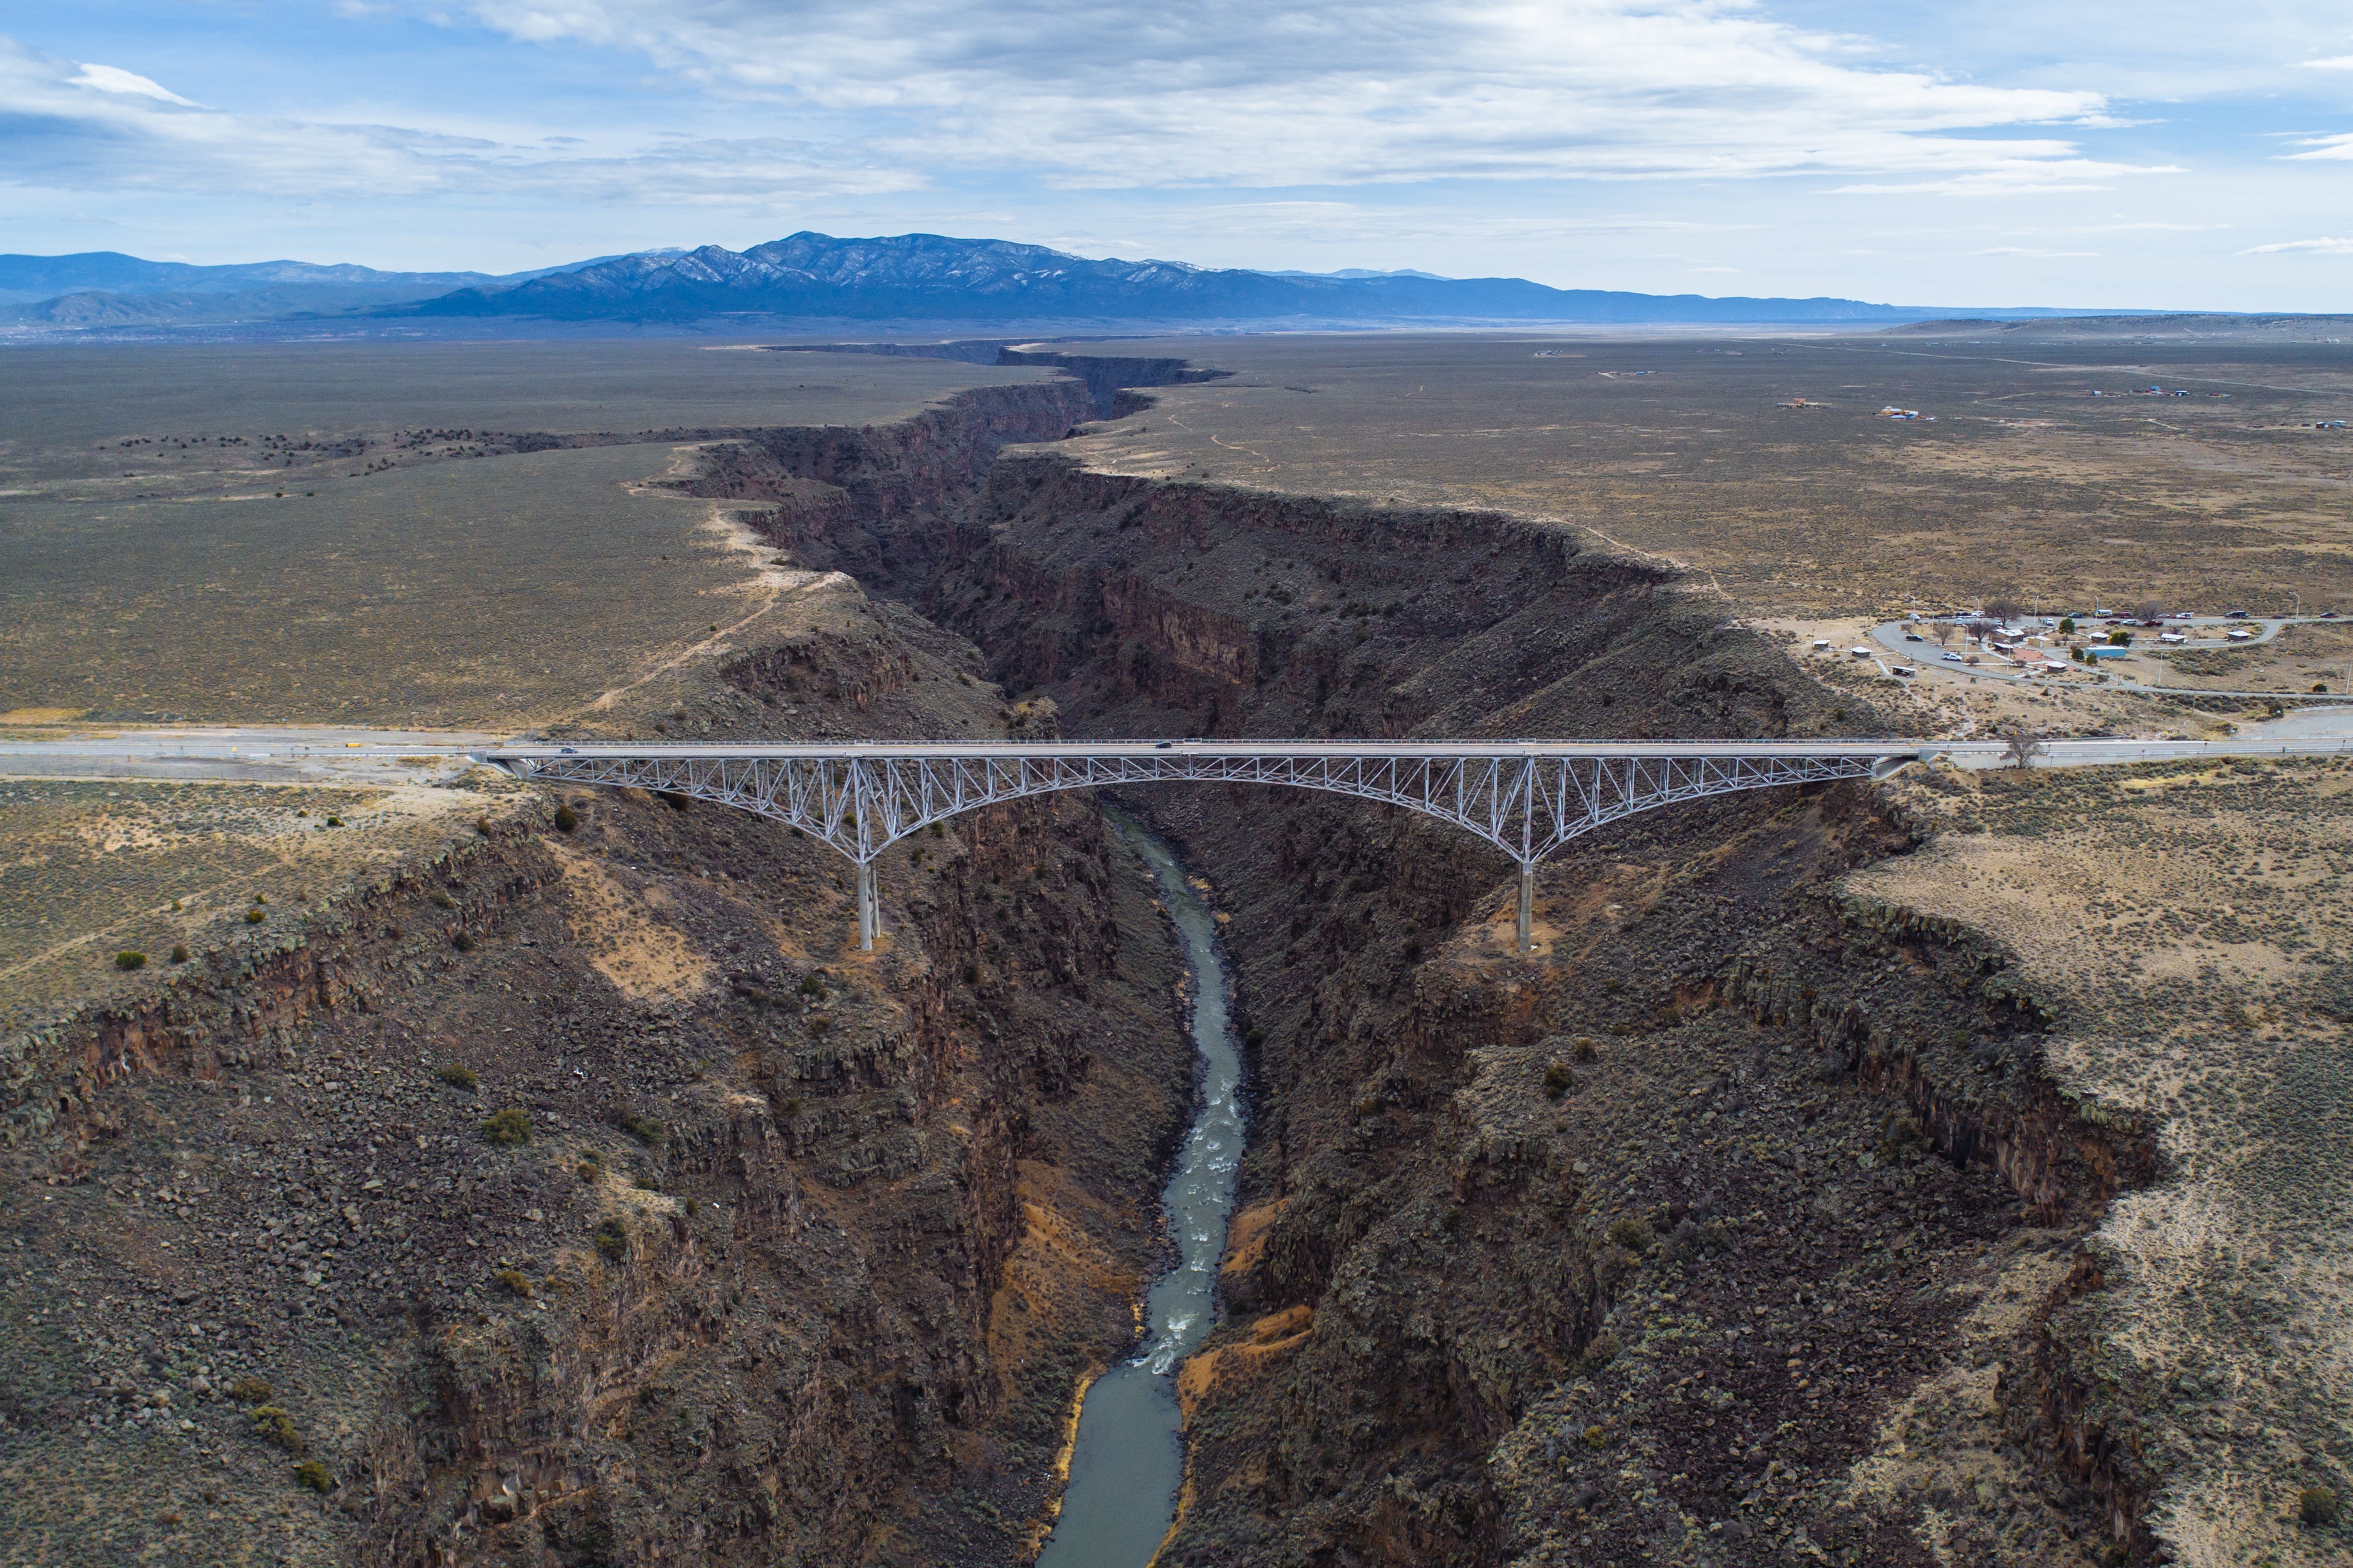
{"x": 2083, "y": 154}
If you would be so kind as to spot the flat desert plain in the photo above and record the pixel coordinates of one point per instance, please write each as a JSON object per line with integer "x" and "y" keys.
{"x": 1769, "y": 468}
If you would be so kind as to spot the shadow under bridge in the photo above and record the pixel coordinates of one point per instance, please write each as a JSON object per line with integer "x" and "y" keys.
{"x": 1525, "y": 797}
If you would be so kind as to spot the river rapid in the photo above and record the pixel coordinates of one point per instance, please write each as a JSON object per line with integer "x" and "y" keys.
{"x": 1129, "y": 1457}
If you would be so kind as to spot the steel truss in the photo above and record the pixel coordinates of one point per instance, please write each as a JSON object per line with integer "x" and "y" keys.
{"x": 1525, "y": 799}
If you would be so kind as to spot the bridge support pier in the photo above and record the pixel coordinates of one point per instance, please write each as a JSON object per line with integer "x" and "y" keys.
{"x": 1527, "y": 905}
{"x": 870, "y": 913}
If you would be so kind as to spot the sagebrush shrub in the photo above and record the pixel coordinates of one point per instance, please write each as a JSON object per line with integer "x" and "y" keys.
{"x": 507, "y": 1128}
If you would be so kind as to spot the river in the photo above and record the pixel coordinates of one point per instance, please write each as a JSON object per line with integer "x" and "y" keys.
{"x": 1129, "y": 1457}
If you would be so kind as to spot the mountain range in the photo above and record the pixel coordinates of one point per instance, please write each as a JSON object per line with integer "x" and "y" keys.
{"x": 931, "y": 277}
{"x": 810, "y": 279}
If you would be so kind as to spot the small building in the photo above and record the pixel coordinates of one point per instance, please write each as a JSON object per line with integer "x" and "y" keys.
{"x": 2107, "y": 651}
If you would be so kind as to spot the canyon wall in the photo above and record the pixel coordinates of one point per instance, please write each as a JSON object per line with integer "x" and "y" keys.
{"x": 582, "y": 1194}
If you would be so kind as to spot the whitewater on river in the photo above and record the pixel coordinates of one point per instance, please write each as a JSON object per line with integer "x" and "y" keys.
{"x": 1129, "y": 1457}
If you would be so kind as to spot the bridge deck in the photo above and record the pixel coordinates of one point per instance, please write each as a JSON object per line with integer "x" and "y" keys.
{"x": 945, "y": 751}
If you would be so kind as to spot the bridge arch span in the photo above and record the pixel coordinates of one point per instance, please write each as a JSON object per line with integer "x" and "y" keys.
{"x": 1525, "y": 798}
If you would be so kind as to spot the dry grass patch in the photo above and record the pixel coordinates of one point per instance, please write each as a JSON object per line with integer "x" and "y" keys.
{"x": 630, "y": 944}
{"x": 2189, "y": 926}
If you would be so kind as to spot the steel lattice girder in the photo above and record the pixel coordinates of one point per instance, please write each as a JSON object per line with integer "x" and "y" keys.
{"x": 1525, "y": 806}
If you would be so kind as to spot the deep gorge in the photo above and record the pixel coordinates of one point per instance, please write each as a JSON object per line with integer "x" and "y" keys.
{"x": 1358, "y": 1399}
{"x": 1515, "y": 1236}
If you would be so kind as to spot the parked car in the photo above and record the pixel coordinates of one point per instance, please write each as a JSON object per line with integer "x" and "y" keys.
{"x": 1955, "y": 658}
{"x": 2234, "y": 615}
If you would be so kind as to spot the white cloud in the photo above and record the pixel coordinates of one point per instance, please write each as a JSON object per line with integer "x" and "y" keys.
{"x": 2309, "y": 247}
{"x": 1225, "y": 92}
{"x": 1345, "y": 222}
{"x": 2340, "y": 146}
{"x": 113, "y": 79}
{"x": 2338, "y": 63}
{"x": 2052, "y": 176}
{"x": 2022, "y": 250}
{"x": 67, "y": 124}
{"x": 2125, "y": 228}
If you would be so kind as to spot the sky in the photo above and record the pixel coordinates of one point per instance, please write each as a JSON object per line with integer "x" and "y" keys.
{"x": 2085, "y": 154}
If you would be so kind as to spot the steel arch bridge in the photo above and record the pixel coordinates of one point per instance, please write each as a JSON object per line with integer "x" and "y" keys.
{"x": 1527, "y": 798}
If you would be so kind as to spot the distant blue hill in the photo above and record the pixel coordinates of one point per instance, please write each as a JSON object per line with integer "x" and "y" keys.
{"x": 100, "y": 289}
{"x": 26, "y": 278}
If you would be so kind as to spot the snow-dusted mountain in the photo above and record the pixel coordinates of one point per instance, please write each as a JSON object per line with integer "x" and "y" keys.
{"x": 935, "y": 278}
{"x": 822, "y": 282}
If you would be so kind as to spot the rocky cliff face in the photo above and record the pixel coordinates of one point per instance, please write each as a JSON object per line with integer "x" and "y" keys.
{"x": 583, "y": 1195}
{"x": 839, "y": 492}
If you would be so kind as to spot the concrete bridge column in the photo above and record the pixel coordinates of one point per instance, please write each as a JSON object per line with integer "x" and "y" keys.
{"x": 1528, "y": 904}
{"x": 870, "y": 913}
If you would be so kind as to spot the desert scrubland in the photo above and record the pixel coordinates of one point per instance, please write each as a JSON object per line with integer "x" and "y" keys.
{"x": 1682, "y": 448}
{"x": 1934, "y": 1172}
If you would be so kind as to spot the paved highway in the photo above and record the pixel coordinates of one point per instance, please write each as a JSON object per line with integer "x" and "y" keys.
{"x": 287, "y": 754}
{"x": 291, "y": 754}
